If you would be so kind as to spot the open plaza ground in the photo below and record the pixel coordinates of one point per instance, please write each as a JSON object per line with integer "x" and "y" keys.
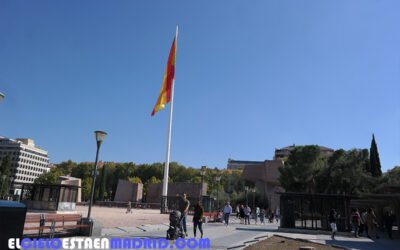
{"x": 149, "y": 223}
{"x": 117, "y": 217}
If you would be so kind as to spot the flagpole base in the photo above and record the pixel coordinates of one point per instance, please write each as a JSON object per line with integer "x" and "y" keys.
{"x": 164, "y": 205}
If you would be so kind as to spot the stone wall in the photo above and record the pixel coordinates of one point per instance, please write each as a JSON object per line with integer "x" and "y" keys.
{"x": 128, "y": 191}
{"x": 193, "y": 190}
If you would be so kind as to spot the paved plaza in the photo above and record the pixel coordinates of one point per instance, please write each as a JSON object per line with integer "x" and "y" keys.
{"x": 148, "y": 223}
{"x": 117, "y": 217}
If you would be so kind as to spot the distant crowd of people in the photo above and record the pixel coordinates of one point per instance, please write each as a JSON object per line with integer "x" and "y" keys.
{"x": 244, "y": 213}
{"x": 365, "y": 223}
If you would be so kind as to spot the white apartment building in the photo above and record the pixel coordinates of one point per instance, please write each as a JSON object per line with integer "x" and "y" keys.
{"x": 28, "y": 162}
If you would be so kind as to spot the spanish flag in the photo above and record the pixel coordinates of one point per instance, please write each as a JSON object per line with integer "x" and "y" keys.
{"x": 169, "y": 76}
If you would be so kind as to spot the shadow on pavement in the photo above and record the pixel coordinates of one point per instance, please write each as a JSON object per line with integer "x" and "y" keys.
{"x": 366, "y": 245}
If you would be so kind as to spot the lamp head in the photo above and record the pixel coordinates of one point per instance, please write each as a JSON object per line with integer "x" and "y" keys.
{"x": 100, "y": 136}
{"x": 203, "y": 170}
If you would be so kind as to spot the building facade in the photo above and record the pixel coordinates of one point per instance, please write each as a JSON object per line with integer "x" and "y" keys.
{"x": 28, "y": 161}
{"x": 239, "y": 165}
{"x": 266, "y": 181}
{"x": 265, "y": 175}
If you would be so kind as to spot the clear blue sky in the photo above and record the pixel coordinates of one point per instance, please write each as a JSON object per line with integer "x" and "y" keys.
{"x": 251, "y": 76}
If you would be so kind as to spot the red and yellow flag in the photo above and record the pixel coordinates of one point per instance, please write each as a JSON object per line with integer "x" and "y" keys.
{"x": 169, "y": 76}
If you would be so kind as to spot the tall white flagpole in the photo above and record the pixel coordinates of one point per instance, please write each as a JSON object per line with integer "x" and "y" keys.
{"x": 164, "y": 204}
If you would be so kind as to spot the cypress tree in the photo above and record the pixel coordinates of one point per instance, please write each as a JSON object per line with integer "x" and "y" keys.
{"x": 102, "y": 184}
{"x": 375, "y": 163}
{"x": 5, "y": 168}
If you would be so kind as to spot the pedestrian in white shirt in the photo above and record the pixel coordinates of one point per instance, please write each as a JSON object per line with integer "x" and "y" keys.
{"x": 227, "y": 213}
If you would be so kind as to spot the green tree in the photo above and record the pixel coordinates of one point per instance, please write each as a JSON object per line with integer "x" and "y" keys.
{"x": 84, "y": 171}
{"x": 346, "y": 173}
{"x": 50, "y": 177}
{"x": 300, "y": 170}
{"x": 392, "y": 176}
{"x": 375, "y": 162}
{"x": 66, "y": 166}
{"x": 5, "y": 169}
{"x": 153, "y": 180}
{"x": 86, "y": 185}
{"x": 135, "y": 179}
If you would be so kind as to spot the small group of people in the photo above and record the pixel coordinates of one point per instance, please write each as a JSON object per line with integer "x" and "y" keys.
{"x": 366, "y": 222}
{"x": 198, "y": 214}
{"x": 243, "y": 212}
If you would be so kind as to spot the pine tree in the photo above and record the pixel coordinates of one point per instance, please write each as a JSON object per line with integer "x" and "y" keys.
{"x": 375, "y": 163}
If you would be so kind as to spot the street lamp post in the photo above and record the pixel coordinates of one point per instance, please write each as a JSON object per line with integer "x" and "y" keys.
{"x": 1, "y": 96}
{"x": 217, "y": 178}
{"x": 246, "y": 188}
{"x": 202, "y": 173}
{"x": 100, "y": 135}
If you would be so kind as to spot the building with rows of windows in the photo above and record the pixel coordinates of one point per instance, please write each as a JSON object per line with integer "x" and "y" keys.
{"x": 28, "y": 162}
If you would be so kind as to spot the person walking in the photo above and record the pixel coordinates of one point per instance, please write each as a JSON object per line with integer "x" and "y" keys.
{"x": 364, "y": 217}
{"x": 389, "y": 219}
{"x": 241, "y": 212}
{"x": 362, "y": 224}
{"x": 372, "y": 224}
{"x": 129, "y": 208}
{"x": 332, "y": 222}
{"x": 184, "y": 208}
{"x": 355, "y": 220}
{"x": 271, "y": 216}
{"x": 198, "y": 219}
{"x": 262, "y": 216}
{"x": 247, "y": 212}
{"x": 227, "y": 213}
{"x": 257, "y": 214}
{"x": 277, "y": 214}
{"x": 237, "y": 211}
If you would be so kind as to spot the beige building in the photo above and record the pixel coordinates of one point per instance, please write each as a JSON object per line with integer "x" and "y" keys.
{"x": 71, "y": 181}
{"x": 28, "y": 161}
{"x": 128, "y": 191}
{"x": 266, "y": 174}
{"x": 266, "y": 180}
{"x": 239, "y": 165}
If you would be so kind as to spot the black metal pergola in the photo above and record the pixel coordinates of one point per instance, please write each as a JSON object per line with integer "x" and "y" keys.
{"x": 311, "y": 211}
{"x": 48, "y": 197}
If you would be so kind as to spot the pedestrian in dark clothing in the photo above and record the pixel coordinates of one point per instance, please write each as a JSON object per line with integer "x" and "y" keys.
{"x": 271, "y": 216}
{"x": 241, "y": 214}
{"x": 363, "y": 224}
{"x": 247, "y": 211}
{"x": 364, "y": 219}
{"x": 198, "y": 219}
{"x": 332, "y": 222}
{"x": 262, "y": 216}
{"x": 389, "y": 219}
{"x": 355, "y": 220}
